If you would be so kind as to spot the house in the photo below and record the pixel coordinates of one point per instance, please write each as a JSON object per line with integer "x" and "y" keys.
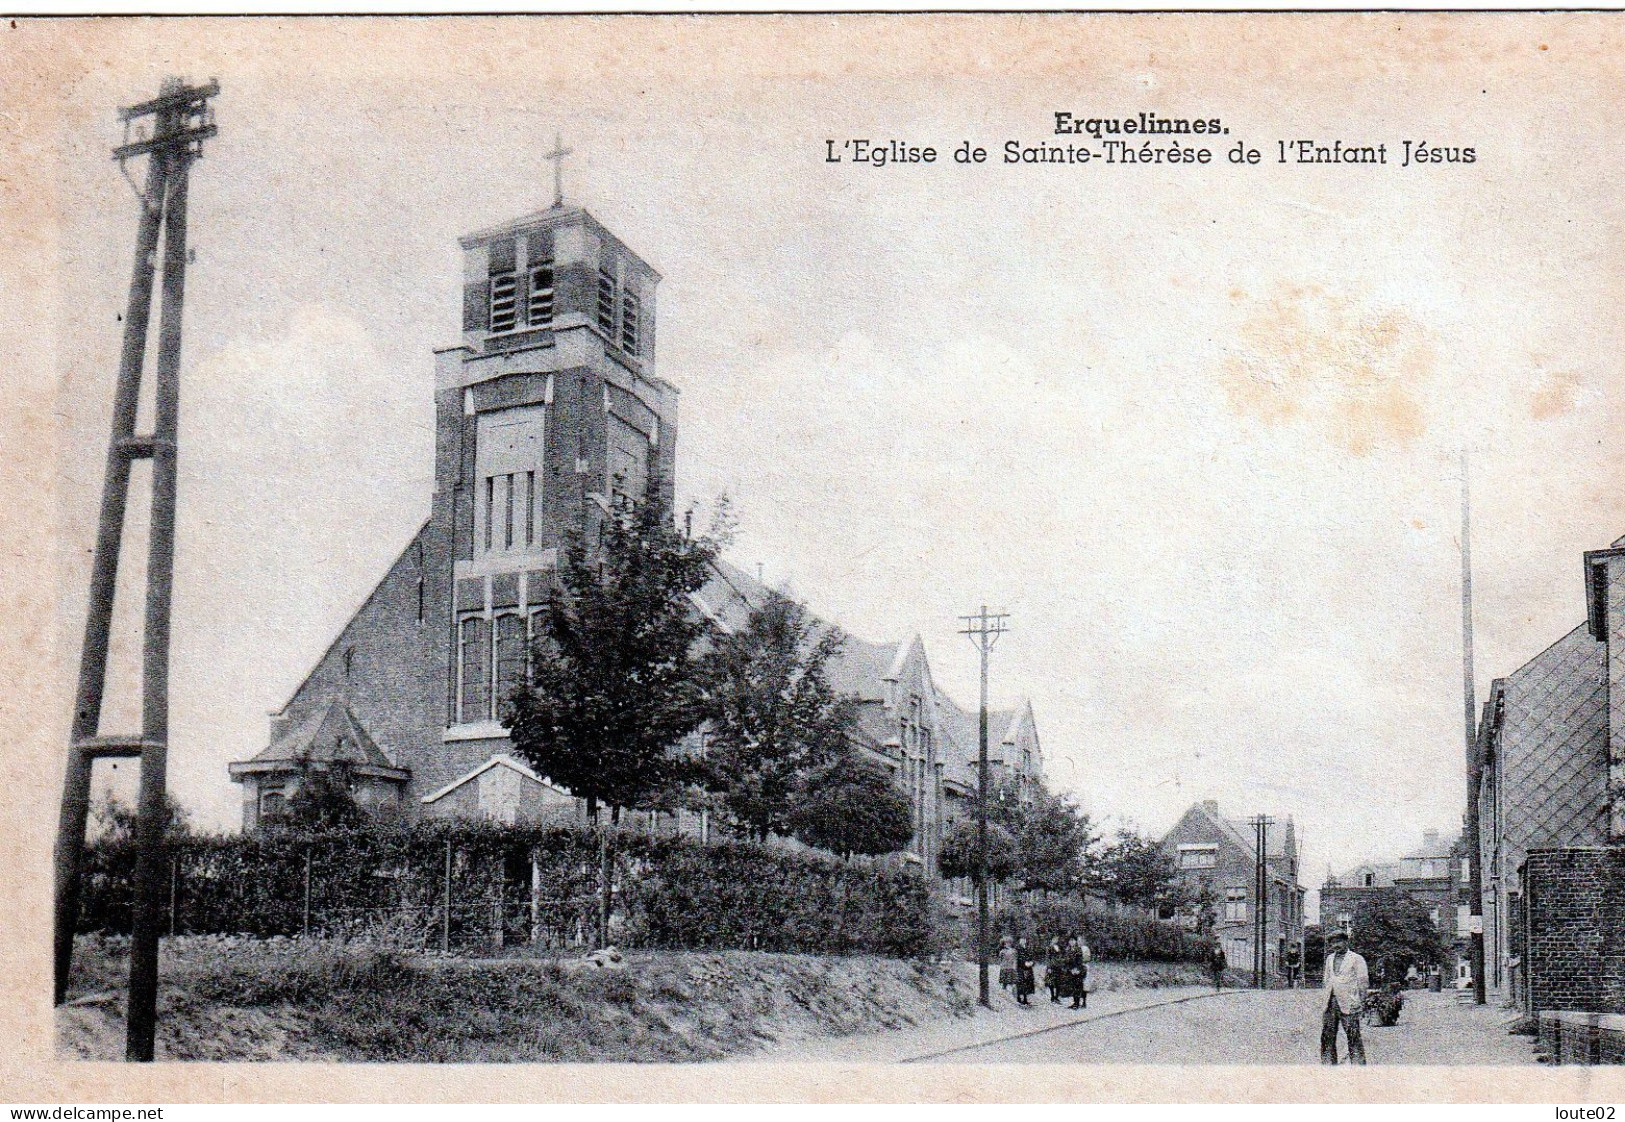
{"x": 1434, "y": 874}
{"x": 1548, "y": 756}
{"x": 1216, "y": 863}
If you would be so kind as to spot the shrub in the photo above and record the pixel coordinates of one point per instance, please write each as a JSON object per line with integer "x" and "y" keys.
{"x": 1111, "y": 937}
{"x": 386, "y": 886}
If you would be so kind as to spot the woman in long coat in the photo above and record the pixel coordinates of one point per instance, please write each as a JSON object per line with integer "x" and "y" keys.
{"x": 1026, "y": 981}
{"x": 1053, "y": 969}
{"x": 1007, "y": 962}
{"x": 1074, "y": 975}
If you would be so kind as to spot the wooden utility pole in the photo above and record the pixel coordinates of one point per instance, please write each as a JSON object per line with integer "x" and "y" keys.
{"x": 1261, "y": 896}
{"x": 181, "y": 119}
{"x": 984, "y": 630}
{"x": 1475, "y": 870}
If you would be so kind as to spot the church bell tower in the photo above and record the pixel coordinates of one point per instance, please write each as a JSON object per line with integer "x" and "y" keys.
{"x": 547, "y": 409}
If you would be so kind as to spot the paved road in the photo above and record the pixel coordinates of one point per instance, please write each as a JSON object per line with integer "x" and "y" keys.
{"x": 1249, "y": 1027}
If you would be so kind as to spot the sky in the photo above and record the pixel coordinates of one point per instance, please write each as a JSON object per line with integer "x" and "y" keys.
{"x": 1195, "y": 428}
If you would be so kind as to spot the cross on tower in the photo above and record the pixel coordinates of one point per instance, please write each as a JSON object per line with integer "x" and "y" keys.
{"x": 557, "y": 157}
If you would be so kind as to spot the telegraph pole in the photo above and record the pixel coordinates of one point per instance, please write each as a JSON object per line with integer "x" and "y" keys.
{"x": 1261, "y": 895}
{"x": 181, "y": 119}
{"x": 1475, "y": 870}
{"x": 984, "y": 629}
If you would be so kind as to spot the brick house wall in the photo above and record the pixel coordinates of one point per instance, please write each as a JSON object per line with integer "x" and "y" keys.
{"x": 1574, "y": 903}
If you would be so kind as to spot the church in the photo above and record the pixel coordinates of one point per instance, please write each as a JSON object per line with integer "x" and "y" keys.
{"x": 547, "y": 408}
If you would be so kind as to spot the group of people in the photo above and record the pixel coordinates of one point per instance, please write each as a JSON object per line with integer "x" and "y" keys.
{"x": 1066, "y": 969}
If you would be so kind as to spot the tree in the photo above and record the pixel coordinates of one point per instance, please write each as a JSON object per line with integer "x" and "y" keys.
{"x": 957, "y": 857}
{"x": 112, "y": 823}
{"x": 1138, "y": 872}
{"x": 617, "y": 678}
{"x": 1393, "y": 932}
{"x": 1054, "y": 842}
{"x": 775, "y": 717}
{"x": 322, "y": 801}
{"x": 1040, "y": 841}
{"x": 852, "y": 807}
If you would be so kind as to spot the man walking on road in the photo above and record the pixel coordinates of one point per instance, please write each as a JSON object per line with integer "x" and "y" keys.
{"x": 1346, "y": 981}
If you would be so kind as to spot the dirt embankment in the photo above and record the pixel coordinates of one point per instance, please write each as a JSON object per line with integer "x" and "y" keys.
{"x": 283, "y": 1000}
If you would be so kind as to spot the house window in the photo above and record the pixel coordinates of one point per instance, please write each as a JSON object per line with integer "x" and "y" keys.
{"x": 510, "y": 657}
{"x": 474, "y": 675}
{"x": 539, "y": 309}
{"x": 1368, "y": 879}
{"x": 606, "y": 301}
{"x": 1198, "y": 856}
{"x": 272, "y": 804}
{"x": 1235, "y": 903}
{"x": 630, "y": 323}
{"x": 504, "y": 302}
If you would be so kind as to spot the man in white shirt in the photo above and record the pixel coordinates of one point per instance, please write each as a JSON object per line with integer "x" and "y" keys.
{"x": 1346, "y": 981}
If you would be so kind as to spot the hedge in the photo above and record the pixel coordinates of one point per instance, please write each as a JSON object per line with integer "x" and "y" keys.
{"x": 670, "y": 892}
{"x": 1111, "y": 937}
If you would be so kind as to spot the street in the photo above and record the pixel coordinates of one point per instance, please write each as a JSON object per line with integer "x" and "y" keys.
{"x": 1252, "y": 1027}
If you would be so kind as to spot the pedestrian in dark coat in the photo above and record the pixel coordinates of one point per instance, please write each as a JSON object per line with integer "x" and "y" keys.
{"x": 1075, "y": 979}
{"x": 1053, "y": 969}
{"x": 1025, "y": 978}
{"x": 1216, "y": 963}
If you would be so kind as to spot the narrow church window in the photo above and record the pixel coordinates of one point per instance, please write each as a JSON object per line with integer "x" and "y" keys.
{"x": 606, "y": 302}
{"x": 629, "y": 323}
{"x": 541, "y": 294}
{"x": 510, "y": 656}
{"x": 530, "y": 508}
{"x": 504, "y": 302}
{"x": 474, "y": 681}
{"x": 507, "y": 509}
{"x": 490, "y": 507}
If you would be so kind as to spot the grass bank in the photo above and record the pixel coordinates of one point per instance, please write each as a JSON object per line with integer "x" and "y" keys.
{"x": 236, "y": 999}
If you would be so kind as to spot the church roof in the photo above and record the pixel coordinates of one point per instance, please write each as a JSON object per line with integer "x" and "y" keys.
{"x": 331, "y": 734}
{"x": 564, "y": 215}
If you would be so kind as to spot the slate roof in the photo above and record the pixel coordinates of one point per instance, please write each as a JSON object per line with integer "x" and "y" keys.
{"x": 330, "y": 734}
{"x": 1554, "y": 748}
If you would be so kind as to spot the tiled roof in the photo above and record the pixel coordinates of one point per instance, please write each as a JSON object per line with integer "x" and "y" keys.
{"x": 1554, "y": 748}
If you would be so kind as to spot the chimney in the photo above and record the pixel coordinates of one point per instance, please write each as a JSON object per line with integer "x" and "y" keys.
{"x": 1430, "y": 841}
{"x": 1605, "y": 616}
{"x": 1211, "y": 806}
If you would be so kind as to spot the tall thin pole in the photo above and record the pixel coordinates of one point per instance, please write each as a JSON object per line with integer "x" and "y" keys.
{"x": 181, "y": 121}
{"x": 1475, "y": 906}
{"x": 984, "y": 630}
{"x": 1259, "y": 903}
{"x": 87, "y": 710}
{"x": 982, "y": 933}
{"x": 142, "y": 1015}
{"x": 1261, "y": 896}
